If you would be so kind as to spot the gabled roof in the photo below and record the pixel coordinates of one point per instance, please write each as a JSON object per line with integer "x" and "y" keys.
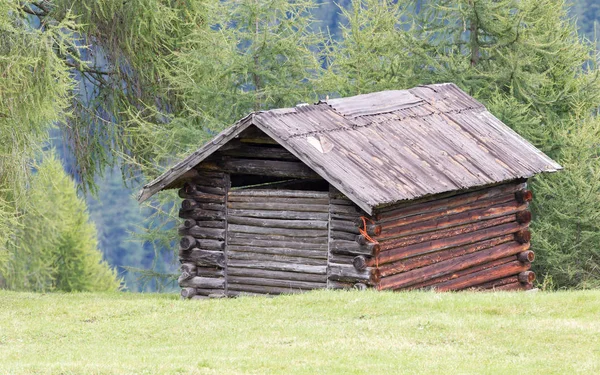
{"x": 390, "y": 146}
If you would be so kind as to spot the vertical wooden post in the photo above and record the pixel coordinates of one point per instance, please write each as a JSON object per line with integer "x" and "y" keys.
{"x": 226, "y": 249}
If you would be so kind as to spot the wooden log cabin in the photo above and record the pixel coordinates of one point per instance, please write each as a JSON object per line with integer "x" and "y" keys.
{"x": 395, "y": 190}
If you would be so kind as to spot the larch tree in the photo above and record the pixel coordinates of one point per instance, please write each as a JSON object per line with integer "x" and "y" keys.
{"x": 525, "y": 61}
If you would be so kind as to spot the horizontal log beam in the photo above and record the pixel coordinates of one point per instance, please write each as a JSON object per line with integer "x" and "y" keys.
{"x": 257, "y": 152}
{"x": 301, "y": 253}
{"x": 259, "y": 167}
{"x": 277, "y": 223}
{"x": 207, "y": 233}
{"x": 210, "y": 271}
{"x": 437, "y": 256}
{"x": 279, "y": 275}
{"x": 353, "y": 227}
{"x": 253, "y": 239}
{"x": 446, "y": 243}
{"x": 205, "y": 258}
{"x": 266, "y": 206}
{"x": 295, "y": 284}
{"x": 183, "y": 231}
{"x": 445, "y": 204}
{"x": 276, "y": 266}
{"x": 290, "y": 215}
{"x": 498, "y": 282}
{"x": 203, "y": 197}
{"x": 514, "y": 287}
{"x": 202, "y": 215}
{"x": 203, "y": 282}
{"x": 480, "y": 277}
{"x": 347, "y": 273}
{"x": 261, "y": 289}
{"x": 402, "y": 280}
{"x": 278, "y": 231}
{"x": 340, "y": 258}
{"x": 353, "y": 248}
{"x": 238, "y": 255}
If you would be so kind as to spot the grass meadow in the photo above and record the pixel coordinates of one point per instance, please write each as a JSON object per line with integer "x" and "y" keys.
{"x": 323, "y": 332}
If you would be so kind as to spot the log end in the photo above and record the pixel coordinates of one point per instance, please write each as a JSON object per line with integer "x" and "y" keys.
{"x": 359, "y": 262}
{"x": 527, "y": 277}
{"x": 523, "y": 217}
{"x": 188, "y": 293}
{"x": 523, "y": 236}
{"x": 187, "y": 243}
{"x": 189, "y": 223}
{"x": 526, "y": 256}
{"x": 523, "y": 196}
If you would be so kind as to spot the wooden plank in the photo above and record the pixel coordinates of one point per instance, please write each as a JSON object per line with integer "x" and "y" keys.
{"x": 203, "y": 282}
{"x": 291, "y": 215}
{"x": 275, "y": 168}
{"x": 206, "y": 258}
{"x": 278, "y": 193}
{"x": 316, "y": 254}
{"x": 261, "y": 289}
{"x": 276, "y": 266}
{"x": 248, "y": 151}
{"x": 280, "y": 275}
{"x": 282, "y": 200}
{"x": 236, "y": 255}
{"x": 275, "y": 240}
{"x": 342, "y": 272}
{"x": 277, "y": 223}
{"x": 353, "y": 248}
{"x": 278, "y": 231}
{"x": 266, "y": 206}
{"x": 277, "y": 283}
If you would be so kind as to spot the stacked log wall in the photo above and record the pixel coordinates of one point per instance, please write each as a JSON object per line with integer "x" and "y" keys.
{"x": 276, "y": 241}
{"x": 479, "y": 239}
{"x": 203, "y": 233}
{"x": 347, "y": 246}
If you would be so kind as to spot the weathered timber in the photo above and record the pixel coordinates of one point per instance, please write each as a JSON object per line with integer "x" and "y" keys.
{"x": 204, "y": 258}
{"x": 277, "y": 223}
{"x": 361, "y": 262}
{"x": 277, "y": 266}
{"x": 444, "y": 204}
{"x": 498, "y": 282}
{"x": 183, "y": 231}
{"x": 261, "y": 289}
{"x": 188, "y": 270}
{"x": 257, "y": 152}
{"x": 282, "y": 200}
{"x": 437, "y": 256}
{"x": 526, "y": 256}
{"x": 188, "y": 204}
{"x": 188, "y": 223}
{"x": 278, "y": 231}
{"x": 207, "y": 233}
{"x": 302, "y": 253}
{"x": 524, "y": 196}
{"x": 352, "y": 227}
{"x": 448, "y": 221}
{"x": 204, "y": 197}
{"x": 343, "y": 202}
{"x": 340, "y": 258}
{"x": 238, "y": 255}
{"x": 276, "y": 282}
{"x": 432, "y": 282}
{"x": 345, "y": 236}
{"x": 291, "y": 215}
{"x": 418, "y": 275}
{"x": 203, "y": 282}
{"x": 210, "y": 271}
{"x": 527, "y": 277}
{"x": 187, "y": 243}
{"x": 524, "y": 217}
{"x": 203, "y": 206}
{"x": 342, "y": 272}
{"x": 396, "y": 242}
{"x": 253, "y": 239}
{"x": 523, "y": 236}
{"x": 279, "y": 275}
{"x": 480, "y": 277}
{"x": 353, "y": 248}
{"x": 446, "y": 243}
{"x": 266, "y": 206}
{"x": 188, "y": 292}
{"x": 343, "y": 209}
{"x": 259, "y": 167}
{"x": 205, "y": 174}
{"x": 193, "y": 188}
{"x": 202, "y": 215}
{"x": 345, "y": 217}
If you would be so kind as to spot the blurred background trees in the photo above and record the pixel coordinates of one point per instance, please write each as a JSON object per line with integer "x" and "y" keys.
{"x": 126, "y": 88}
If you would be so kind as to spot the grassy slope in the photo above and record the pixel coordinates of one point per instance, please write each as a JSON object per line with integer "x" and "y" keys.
{"x": 320, "y": 332}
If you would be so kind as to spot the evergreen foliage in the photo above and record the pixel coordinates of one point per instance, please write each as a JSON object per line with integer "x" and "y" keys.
{"x": 55, "y": 247}
{"x": 525, "y": 61}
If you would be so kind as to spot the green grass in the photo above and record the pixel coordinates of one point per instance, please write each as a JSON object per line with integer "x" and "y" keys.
{"x": 320, "y": 332}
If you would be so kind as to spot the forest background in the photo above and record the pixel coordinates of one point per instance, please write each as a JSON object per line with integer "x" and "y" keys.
{"x": 122, "y": 125}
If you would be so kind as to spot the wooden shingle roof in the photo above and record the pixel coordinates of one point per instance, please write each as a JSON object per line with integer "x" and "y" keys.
{"x": 390, "y": 146}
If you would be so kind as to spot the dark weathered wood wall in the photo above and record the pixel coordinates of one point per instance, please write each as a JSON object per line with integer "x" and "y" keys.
{"x": 478, "y": 239}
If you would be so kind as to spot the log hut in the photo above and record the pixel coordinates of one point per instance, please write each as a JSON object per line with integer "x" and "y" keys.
{"x": 394, "y": 190}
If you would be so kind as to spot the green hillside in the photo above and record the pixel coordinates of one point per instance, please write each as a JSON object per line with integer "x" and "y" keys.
{"x": 314, "y": 333}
